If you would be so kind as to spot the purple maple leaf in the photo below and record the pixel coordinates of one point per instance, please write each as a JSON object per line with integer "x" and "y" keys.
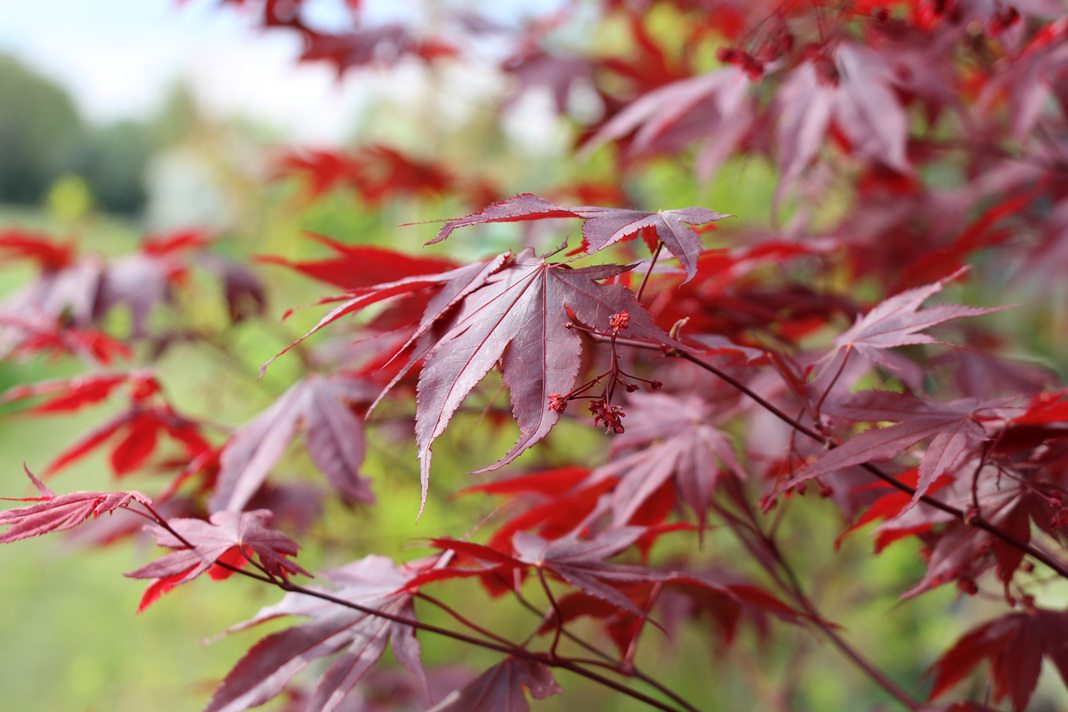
{"x": 897, "y": 321}
{"x": 667, "y": 437}
{"x": 358, "y": 639}
{"x": 602, "y": 227}
{"x": 242, "y": 532}
{"x": 319, "y": 407}
{"x": 519, "y": 320}
{"x": 953, "y": 430}
{"x": 501, "y": 688}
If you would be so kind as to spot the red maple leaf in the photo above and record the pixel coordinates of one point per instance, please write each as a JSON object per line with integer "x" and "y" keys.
{"x": 602, "y": 227}
{"x": 954, "y": 429}
{"x": 1015, "y": 645}
{"x": 356, "y": 638}
{"x": 55, "y": 513}
{"x": 231, "y": 538}
{"x": 501, "y": 688}
{"x": 519, "y": 320}
{"x": 320, "y": 408}
{"x": 668, "y": 438}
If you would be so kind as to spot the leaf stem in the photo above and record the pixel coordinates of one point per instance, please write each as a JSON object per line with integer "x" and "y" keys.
{"x": 633, "y": 671}
{"x": 792, "y": 585}
{"x": 460, "y": 618}
{"x": 652, "y": 264}
{"x": 501, "y": 647}
{"x": 977, "y": 522}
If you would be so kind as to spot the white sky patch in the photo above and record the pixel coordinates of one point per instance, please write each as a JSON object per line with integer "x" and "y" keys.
{"x": 120, "y": 59}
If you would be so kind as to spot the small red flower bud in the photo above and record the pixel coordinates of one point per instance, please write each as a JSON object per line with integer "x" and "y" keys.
{"x": 619, "y": 322}
{"x": 608, "y": 416}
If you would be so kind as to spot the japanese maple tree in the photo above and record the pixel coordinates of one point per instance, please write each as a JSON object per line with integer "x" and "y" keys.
{"x": 651, "y": 404}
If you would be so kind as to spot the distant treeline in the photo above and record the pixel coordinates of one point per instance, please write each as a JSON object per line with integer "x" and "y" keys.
{"x": 43, "y": 138}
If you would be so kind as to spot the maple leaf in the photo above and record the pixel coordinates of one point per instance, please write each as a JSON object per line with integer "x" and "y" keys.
{"x": 36, "y": 246}
{"x": 668, "y": 437}
{"x": 55, "y": 513}
{"x": 558, "y": 502}
{"x": 244, "y": 292}
{"x": 357, "y": 639}
{"x": 866, "y": 107}
{"x": 957, "y": 550}
{"x": 535, "y": 68}
{"x": 856, "y": 91}
{"x": 805, "y": 103}
{"x": 233, "y": 538}
{"x": 67, "y": 394}
{"x": 358, "y": 266}
{"x": 714, "y": 108}
{"x": 519, "y": 319}
{"x": 34, "y": 335}
{"x": 897, "y": 321}
{"x": 325, "y": 170}
{"x": 579, "y": 562}
{"x": 602, "y": 227}
{"x": 953, "y": 429}
{"x": 317, "y": 406}
{"x": 141, "y": 423}
{"x": 455, "y": 283}
{"x": 501, "y": 688}
{"x": 372, "y": 46}
{"x": 1028, "y": 84}
{"x": 725, "y": 601}
{"x": 1015, "y": 645}
{"x": 81, "y": 293}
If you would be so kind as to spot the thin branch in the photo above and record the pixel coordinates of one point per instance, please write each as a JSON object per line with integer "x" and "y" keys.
{"x": 460, "y": 618}
{"x": 556, "y": 610}
{"x": 792, "y": 585}
{"x": 652, "y": 263}
{"x": 508, "y": 649}
{"x": 977, "y": 522}
{"x": 633, "y": 670}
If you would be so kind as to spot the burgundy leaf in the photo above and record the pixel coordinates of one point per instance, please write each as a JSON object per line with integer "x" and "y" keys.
{"x": 805, "y": 104}
{"x": 897, "y": 321}
{"x": 54, "y": 513}
{"x": 1015, "y": 645}
{"x": 230, "y": 537}
{"x": 501, "y": 688}
{"x": 357, "y": 639}
{"x": 668, "y": 437}
{"x": 519, "y": 319}
{"x": 602, "y": 227}
{"x": 952, "y": 427}
{"x": 662, "y": 119}
{"x": 319, "y": 407}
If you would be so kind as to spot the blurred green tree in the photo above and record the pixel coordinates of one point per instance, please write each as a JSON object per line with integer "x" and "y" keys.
{"x": 39, "y": 125}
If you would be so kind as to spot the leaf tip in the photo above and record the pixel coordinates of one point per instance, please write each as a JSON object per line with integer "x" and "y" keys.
{"x": 41, "y": 486}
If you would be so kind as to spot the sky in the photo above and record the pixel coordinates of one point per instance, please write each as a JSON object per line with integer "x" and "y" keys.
{"x": 119, "y": 59}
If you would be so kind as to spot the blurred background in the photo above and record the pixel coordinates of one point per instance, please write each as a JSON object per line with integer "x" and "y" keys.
{"x": 120, "y": 119}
